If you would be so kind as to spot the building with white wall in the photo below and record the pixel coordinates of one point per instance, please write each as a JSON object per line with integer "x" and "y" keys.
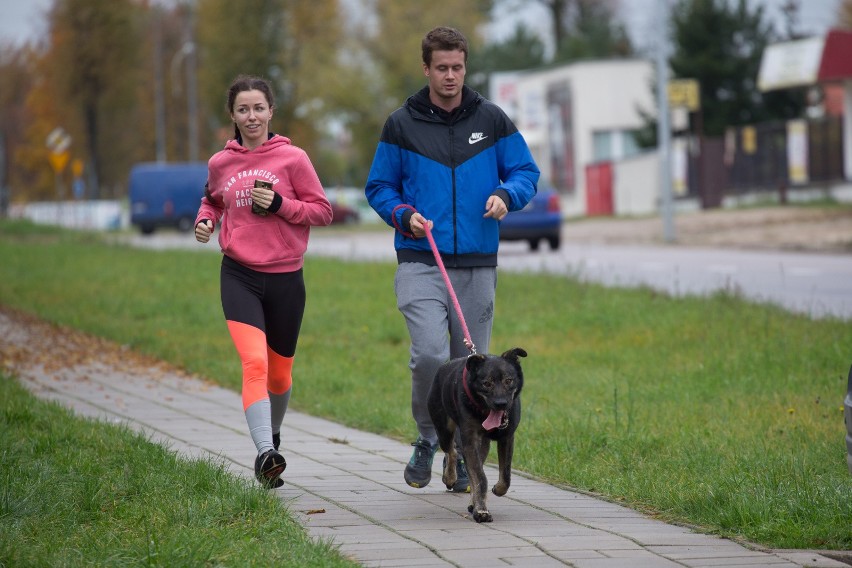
{"x": 576, "y": 115}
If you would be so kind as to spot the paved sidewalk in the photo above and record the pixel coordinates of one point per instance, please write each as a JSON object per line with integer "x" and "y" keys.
{"x": 347, "y": 485}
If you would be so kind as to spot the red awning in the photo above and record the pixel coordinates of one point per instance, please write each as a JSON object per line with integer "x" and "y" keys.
{"x": 836, "y": 61}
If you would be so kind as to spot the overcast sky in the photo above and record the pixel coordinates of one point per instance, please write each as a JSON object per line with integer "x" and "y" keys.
{"x": 21, "y": 20}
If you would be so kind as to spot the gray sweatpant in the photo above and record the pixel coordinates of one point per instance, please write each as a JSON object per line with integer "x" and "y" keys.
{"x": 434, "y": 328}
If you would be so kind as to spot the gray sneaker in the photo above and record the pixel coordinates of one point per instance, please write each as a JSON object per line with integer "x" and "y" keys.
{"x": 418, "y": 472}
{"x": 462, "y": 484}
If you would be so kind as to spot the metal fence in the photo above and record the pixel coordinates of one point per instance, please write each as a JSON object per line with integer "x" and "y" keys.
{"x": 753, "y": 159}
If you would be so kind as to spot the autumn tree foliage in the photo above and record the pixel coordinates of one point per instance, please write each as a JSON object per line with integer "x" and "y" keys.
{"x": 92, "y": 64}
{"x": 845, "y": 15}
{"x": 24, "y": 166}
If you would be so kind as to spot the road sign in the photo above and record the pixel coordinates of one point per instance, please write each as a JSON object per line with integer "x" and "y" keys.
{"x": 684, "y": 93}
{"x": 77, "y": 167}
{"x": 58, "y": 140}
{"x": 58, "y": 160}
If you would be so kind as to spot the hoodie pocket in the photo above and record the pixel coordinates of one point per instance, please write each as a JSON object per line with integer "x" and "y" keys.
{"x": 257, "y": 244}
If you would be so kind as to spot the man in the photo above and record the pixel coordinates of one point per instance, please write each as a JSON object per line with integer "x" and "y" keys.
{"x": 453, "y": 161}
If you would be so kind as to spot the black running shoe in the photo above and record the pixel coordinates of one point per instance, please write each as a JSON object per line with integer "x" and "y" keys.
{"x": 276, "y": 440}
{"x": 268, "y": 468}
{"x": 462, "y": 484}
{"x": 418, "y": 472}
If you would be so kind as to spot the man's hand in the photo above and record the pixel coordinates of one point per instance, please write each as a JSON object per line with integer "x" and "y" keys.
{"x": 418, "y": 222}
{"x": 496, "y": 208}
{"x": 203, "y": 230}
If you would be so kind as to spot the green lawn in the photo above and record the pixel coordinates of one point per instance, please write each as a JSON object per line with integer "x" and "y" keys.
{"x": 711, "y": 411}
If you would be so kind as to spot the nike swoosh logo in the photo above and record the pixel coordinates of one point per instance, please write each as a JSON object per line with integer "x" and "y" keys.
{"x": 474, "y": 138}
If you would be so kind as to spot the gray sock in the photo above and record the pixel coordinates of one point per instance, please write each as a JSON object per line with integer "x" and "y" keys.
{"x": 259, "y": 423}
{"x": 278, "y": 408}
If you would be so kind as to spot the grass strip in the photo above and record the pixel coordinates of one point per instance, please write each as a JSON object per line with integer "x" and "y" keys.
{"x": 76, "y": 492}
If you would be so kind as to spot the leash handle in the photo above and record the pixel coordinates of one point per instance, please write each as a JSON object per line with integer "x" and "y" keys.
{"x": 468, "y": 342}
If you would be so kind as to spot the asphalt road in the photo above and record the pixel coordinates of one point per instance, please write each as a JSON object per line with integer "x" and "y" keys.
{"x": 815, "y": 284}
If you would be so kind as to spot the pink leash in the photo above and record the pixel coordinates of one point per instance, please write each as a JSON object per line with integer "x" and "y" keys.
{"x": 468, "y": 342}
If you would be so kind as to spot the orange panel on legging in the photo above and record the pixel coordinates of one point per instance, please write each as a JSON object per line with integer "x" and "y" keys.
{"x": 280, "y": 372}
{"x": 251, "y": 346}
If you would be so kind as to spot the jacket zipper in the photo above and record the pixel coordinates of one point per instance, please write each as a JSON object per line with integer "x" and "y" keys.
{"x": 453, "y": 177}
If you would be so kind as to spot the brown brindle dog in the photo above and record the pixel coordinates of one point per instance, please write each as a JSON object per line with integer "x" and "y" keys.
{"x": 479, "y": 395}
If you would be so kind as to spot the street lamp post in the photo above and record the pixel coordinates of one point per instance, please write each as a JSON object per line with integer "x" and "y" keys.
{"x": 664, "y": 137}
{"x": 187, "y": 56}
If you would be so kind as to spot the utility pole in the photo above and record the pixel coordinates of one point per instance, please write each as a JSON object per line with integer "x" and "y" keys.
{"x": 664, "y": 134}
{"x": 159, "y": 97}
{"x": 191, "y": 84}
{"x": 187, "y": 56}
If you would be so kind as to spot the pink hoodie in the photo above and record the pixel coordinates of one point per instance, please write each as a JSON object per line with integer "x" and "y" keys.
{"x": 276, "y": 242}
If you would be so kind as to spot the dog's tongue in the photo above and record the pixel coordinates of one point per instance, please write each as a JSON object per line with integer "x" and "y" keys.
{"x": 495, "y": 418}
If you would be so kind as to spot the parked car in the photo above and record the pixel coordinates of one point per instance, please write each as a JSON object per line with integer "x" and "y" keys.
{"x": 166, "y": 194}
{"x": 343, "y": 214}
{"x": 540, "y": 220}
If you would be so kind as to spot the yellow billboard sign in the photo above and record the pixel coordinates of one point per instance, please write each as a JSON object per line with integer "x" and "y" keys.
{"x": 684, "y": 93}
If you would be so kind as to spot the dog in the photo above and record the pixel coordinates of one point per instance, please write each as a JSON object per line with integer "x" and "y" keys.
{"x": 480, "y": 396}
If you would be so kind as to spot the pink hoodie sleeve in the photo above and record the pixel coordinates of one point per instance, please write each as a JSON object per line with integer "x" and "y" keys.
{"x": 311, "y": 206}
{"x": 212, "y": 206}
{"x": 209, "y": 208}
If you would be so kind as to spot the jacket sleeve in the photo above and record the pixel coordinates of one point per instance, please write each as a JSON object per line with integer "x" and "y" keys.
{"x": 384, "y": 182}
{"x": 311, "y": 206}
{"x": 517, "y": 169}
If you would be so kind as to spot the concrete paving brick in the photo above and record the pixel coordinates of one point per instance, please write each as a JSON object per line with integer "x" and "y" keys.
{"x": 742, "y": 561}
{"x": 624, "y": 562}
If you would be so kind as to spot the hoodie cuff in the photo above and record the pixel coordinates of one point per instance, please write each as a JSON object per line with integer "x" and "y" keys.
{"x": 277, "y": 201}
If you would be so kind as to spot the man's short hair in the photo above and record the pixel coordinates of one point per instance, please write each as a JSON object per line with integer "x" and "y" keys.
{"x": 443, "y": 39}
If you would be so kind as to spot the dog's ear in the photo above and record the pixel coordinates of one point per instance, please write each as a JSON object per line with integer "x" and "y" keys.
{"x": 513, "y": 354}
{"x": 474, "y": 362}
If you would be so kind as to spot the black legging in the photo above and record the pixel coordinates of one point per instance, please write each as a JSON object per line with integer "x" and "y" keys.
{"x": 272, "y": 302}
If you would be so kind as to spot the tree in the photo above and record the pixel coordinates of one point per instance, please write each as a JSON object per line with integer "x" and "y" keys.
{"x": 92, "y": 62}
{"x": 721, "y": 44}
{"x": 523, "y": 50}
{"x": 844, "y": 16}
{"x": 590, "y": 30}
{"x": 227, "y": 48}
{"x": 290, "y": 46}
{"x": 381, "y": 63}
{"x": 583, "y": 29}
{"x": 25, "y": 158}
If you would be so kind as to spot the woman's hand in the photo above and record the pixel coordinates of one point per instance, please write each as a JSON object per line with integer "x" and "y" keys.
{"x": 203, "y": 230}
{"x": 262, "y": 197}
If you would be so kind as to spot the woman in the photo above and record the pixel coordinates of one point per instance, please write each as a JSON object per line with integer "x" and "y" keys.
{"x": 267, "y": 195}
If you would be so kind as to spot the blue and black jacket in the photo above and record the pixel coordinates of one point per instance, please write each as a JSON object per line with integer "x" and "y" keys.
{"x": 446, "y": 165}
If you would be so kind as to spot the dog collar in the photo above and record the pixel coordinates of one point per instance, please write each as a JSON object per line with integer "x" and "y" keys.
{"x": 469, "y": 394}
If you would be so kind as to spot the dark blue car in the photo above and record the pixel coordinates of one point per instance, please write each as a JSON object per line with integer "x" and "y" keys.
{"x": 540, "y": 220}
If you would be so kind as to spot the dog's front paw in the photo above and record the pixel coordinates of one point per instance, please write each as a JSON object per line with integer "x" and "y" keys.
{"x": 449, "y": 481}
{"x": 500, "y": 488}
{"x": 482, "y": 517}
